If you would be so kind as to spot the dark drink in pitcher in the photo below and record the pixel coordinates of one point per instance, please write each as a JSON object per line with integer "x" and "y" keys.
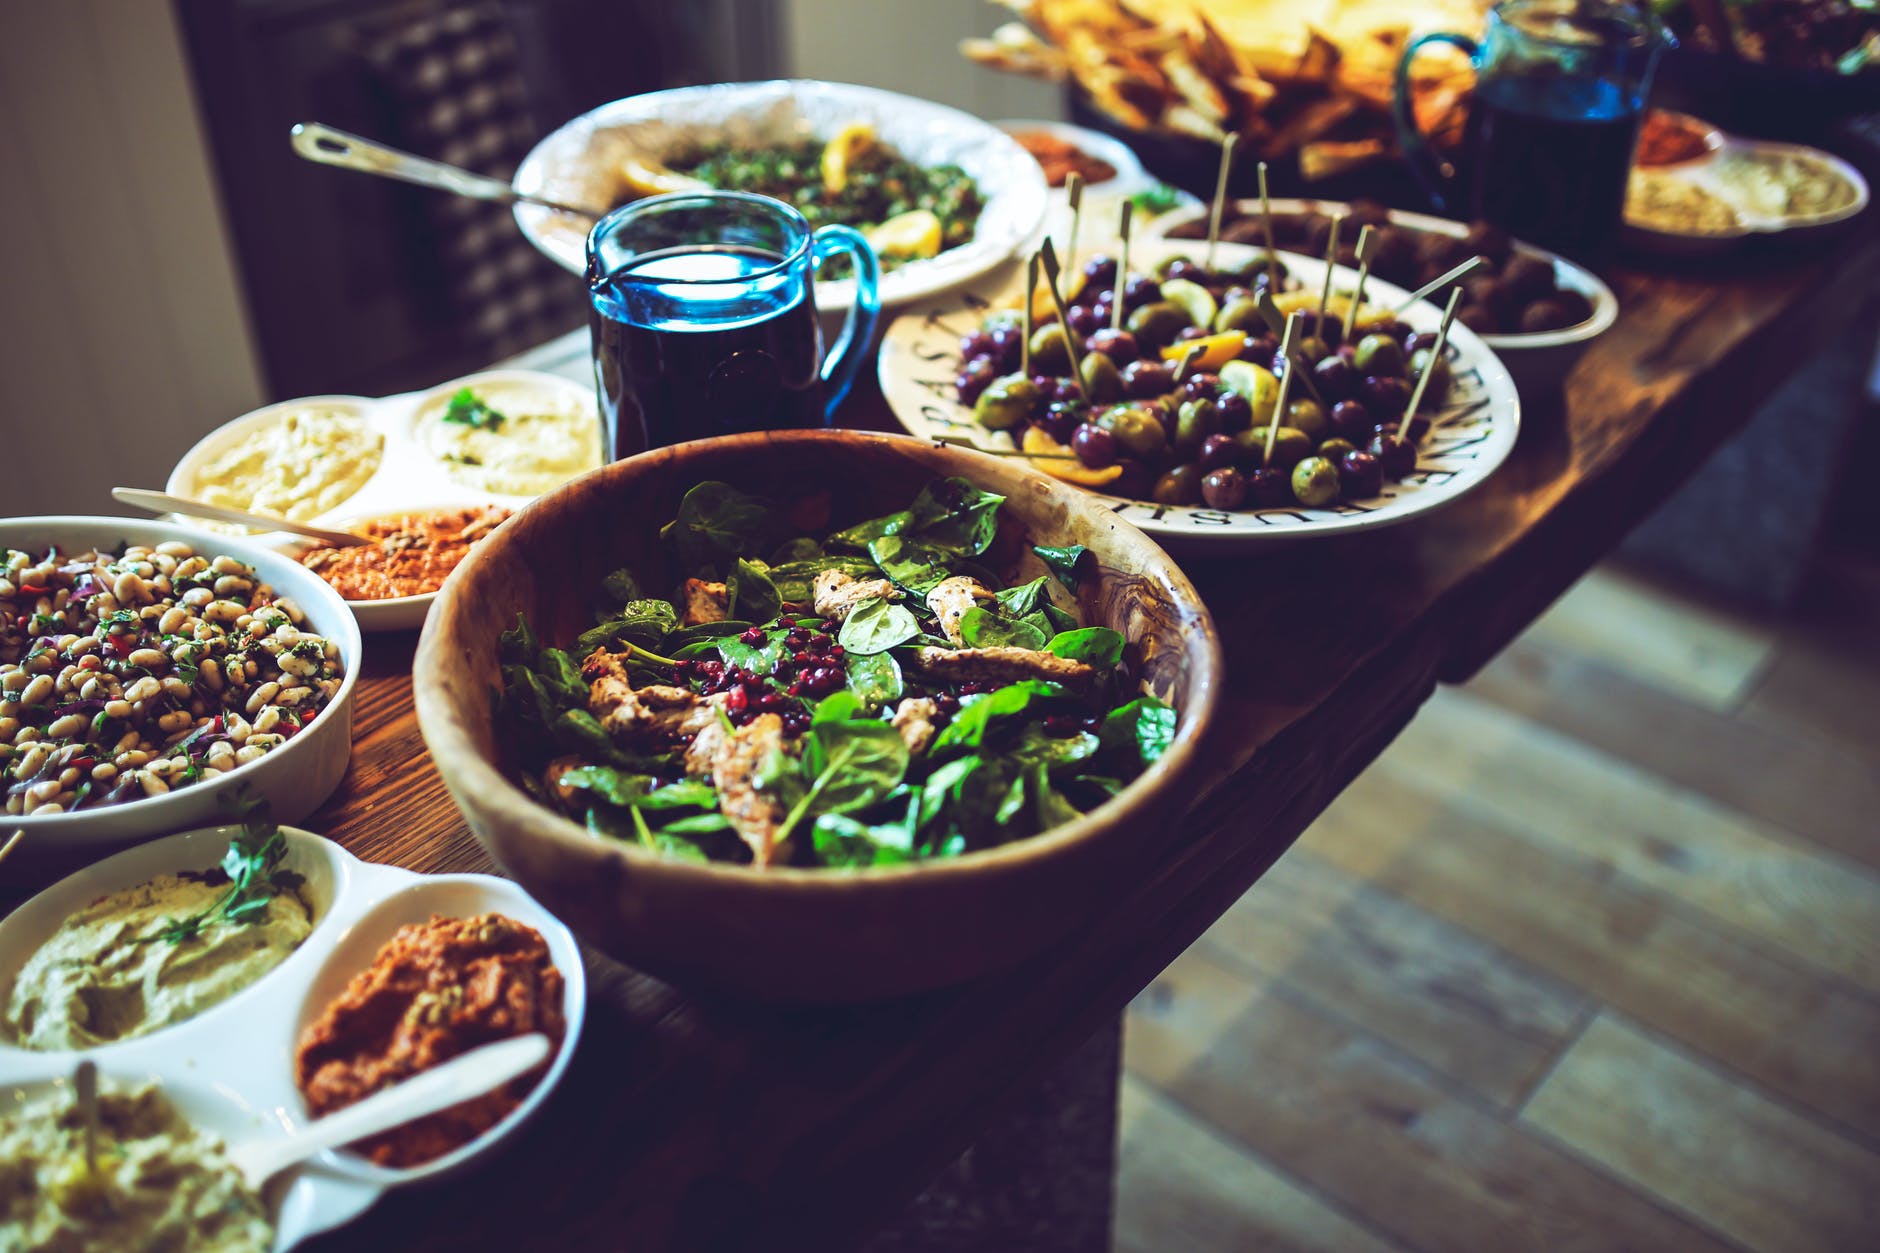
{"x": 662, "y": 379}
{"x": 1551, "y": 160}
{"x": 702, "y": 313}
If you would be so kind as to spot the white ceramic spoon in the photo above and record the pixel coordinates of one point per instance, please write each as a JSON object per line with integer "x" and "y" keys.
{"x": 440, "y": 1087}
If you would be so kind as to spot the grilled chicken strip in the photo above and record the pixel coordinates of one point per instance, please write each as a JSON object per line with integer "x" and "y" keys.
{"x": 913, "y": 718}
{"x": 756, "y": 815}
{"x": 640, "y": 715}
{"x": 950, "y": 600}
{"x": 704, "y": 602}
{"x": 837, "y": 593}
{"x": 1002, "y": 665}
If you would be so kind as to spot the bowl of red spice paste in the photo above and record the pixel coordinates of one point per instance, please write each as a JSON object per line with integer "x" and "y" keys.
{"x": 390, "y": 583}
{"x": 1667, "y": 138}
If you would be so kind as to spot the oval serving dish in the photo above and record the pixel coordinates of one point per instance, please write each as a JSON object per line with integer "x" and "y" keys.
{"x": 230, "y": 1068}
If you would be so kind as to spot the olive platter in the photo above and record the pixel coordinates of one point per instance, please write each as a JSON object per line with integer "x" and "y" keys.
{"x": 925, "y": 362}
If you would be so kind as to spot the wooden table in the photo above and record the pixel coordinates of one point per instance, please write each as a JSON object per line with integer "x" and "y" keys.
{"x": 694, "y": 1123}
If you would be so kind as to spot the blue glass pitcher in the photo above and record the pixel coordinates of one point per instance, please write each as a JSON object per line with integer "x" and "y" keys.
{"x": 1560, "y": 87}
{"x": 702, "y": 311}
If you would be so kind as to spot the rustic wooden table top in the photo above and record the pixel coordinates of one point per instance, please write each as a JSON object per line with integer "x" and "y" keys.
{"x": 694, "y": 1123}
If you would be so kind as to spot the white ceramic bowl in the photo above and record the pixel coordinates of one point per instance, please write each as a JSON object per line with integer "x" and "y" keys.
{"x": 230, "y": 1068}
{"x": 1535, "y": 358}
{"x": 294, "y": 778}
{"x": 576, "y": 165}
{"x": 1129, "y": 177}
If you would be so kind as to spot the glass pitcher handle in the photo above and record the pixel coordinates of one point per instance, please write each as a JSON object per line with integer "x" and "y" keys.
{"x": 858, "y": 329}
{"x": 1416, "y": 149}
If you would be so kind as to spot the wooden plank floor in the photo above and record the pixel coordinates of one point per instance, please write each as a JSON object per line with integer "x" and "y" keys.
{"x": 1588, "y": 960}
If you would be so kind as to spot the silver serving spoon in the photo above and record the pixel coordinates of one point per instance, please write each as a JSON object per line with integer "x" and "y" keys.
{"x": 163, "y": 502}
{"x": 324, "y": 144}
{"x": 457, "y": 1080}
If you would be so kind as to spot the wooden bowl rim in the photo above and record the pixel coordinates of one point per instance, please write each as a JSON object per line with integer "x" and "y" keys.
{"x": 466, "y": 771}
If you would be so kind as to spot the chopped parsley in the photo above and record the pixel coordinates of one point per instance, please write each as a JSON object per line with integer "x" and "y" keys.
{"x": 466, "y": 408}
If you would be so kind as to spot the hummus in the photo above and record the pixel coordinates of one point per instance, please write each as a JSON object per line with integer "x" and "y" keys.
{"x": 299, "y": 466}
{"x": 108, "y": 975}
{"x": 518, "y": 440}
{"x": 435, "y": 990}
{"x": 160, "y": 1183}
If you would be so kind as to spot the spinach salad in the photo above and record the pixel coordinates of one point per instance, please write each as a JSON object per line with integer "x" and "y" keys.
{"x": 867, "y": 696}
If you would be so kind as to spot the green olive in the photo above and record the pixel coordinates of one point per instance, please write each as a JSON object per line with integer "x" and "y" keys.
{"x": 1334, "y": 450}
{"x": 1179, "y": 486}
{"x": 1240, "y": 315}
{"x": 1311, "y": 349}
{"x": 1306, "y": 414}
{"x": 999, "y": 318}
{"x": 1007, "y": 402}
{"x": 1156, "y": 325}
{"x": 1049, "y": 352}
{"x": 1315, "y": 482}
{"x": 1290, "y": 447}
{"x": 1194, "y": 422}
{"x": 1378, "y": 354}
{"x": 1440, "y": 376}
{"x": 1103, "y": 382}
{"x": 1257, "y": 384}
{"x": 1139, "y": 432}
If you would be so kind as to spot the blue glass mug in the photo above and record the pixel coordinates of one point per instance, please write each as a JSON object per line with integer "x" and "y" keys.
{"x": 1560, "y": 88}
{"x": 702, "y": 313}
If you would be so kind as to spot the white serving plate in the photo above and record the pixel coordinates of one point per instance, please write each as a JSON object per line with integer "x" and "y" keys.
{"x": 408, "y": 478}
{"x": 1702, "y": 172}
{"x": 1129, "y": 178}
{"x": 1470, "y": 435}
{"x": 1534, "y": 358}
{"x": 230, "y": 1068}
{"x": 575, "y": 165}
{"x": 295, "y": 778}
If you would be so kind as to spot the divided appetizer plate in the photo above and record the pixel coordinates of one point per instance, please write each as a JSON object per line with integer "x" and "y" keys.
{"x": 229, "y": 1070}
{"x": 1471, "y": 433}
{"x": 409, "y": 478}
{"x": 1709, "y": 174}
{"x": 577, "y": 163}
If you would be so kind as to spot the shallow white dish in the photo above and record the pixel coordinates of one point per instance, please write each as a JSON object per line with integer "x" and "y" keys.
{"x": 294, "y": 778}
{"x": 575, "y": 164}
{"x": 1129, "y": 178}
{"x": 1703, "y": 172}
{"x": 1534, "y": 358}
{"x": 1470, "y": 435}
{"x": 230, "y": 1068}
{"x": 408, "y": 479}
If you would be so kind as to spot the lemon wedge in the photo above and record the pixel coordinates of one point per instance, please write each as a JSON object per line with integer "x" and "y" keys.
{"x": 1056, "y": 460}
{"x": 1218, "y": 350}
{"x": 914, "y": 234}
{"x": 649, "y": 178}
{"x": 1192, "y": 296}
{"x": 840, "y": 153}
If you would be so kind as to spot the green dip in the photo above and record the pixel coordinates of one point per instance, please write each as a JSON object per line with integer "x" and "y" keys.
{"x": 160, "y": 1184}
{"x": 109, "y": 974}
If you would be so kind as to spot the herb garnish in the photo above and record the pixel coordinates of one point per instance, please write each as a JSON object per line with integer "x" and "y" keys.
{"x": 251, "y": 865}
{"x": 466, "y": 408}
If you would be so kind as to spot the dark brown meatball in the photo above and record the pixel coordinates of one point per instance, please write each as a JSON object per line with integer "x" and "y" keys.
{"x": 1481, "y": 320}
{"x": 1529, "y": 278}
{"x": 1577, "y": 304}
{"x": 1394, "y": 255}
{"x": 1546, "y": 315}
{"x": 1485, "y": 240}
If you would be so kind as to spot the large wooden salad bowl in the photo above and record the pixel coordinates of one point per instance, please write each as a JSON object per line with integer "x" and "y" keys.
{"x": 803, "y": 935}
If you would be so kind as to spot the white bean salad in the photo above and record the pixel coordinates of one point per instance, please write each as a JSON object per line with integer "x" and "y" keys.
{"x": 133, "y": 674}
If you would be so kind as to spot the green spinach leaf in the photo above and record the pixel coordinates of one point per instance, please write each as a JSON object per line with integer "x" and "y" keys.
{"x": 1062, "y": 562}
{"x": 983, "y": 628}
{"x": 954, "y": 515}
{"x": 750, "y": 593}
{"x": 1024, "y": 599}
{"x": 717, "y": 524}
{"x": 875, "y": 678}
{"x": 621, "y": 587}
{"x": 1097, "y": 646}
{"x": 875, "y": 626}
{"x": 914, "y": 566}
{"x": 977, "y": 713}
{"x": 1139, "y": 733}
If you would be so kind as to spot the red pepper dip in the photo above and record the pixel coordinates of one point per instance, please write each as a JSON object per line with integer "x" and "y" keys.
{"x": 414, "y": 554}
{"x": 1670, "y": 138}
{"x": 435, "y": 990}
{"x": 1061, "y": 158}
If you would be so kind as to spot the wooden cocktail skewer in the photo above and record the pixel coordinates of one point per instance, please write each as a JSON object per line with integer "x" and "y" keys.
{"x": 1074, "y": 192}
{"x": 1405, "y": 430}
{"x": 1437, "y": 283}
{"x": 1194, "y": 354}
{"x": 1266, "y": 221}
{"x": 1285, "y": 386}
{"x": 1364, "y": 273}
{"x": 1122, "y": 269}
{"x": 1331, "y": 266}
{"x": 1049, "y": 256}
{"x": 1278, "y": 321}
{"x": 1024, "y": 349}
{"x": 1220, "y": 198}
{"x": 964, "y": 441}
